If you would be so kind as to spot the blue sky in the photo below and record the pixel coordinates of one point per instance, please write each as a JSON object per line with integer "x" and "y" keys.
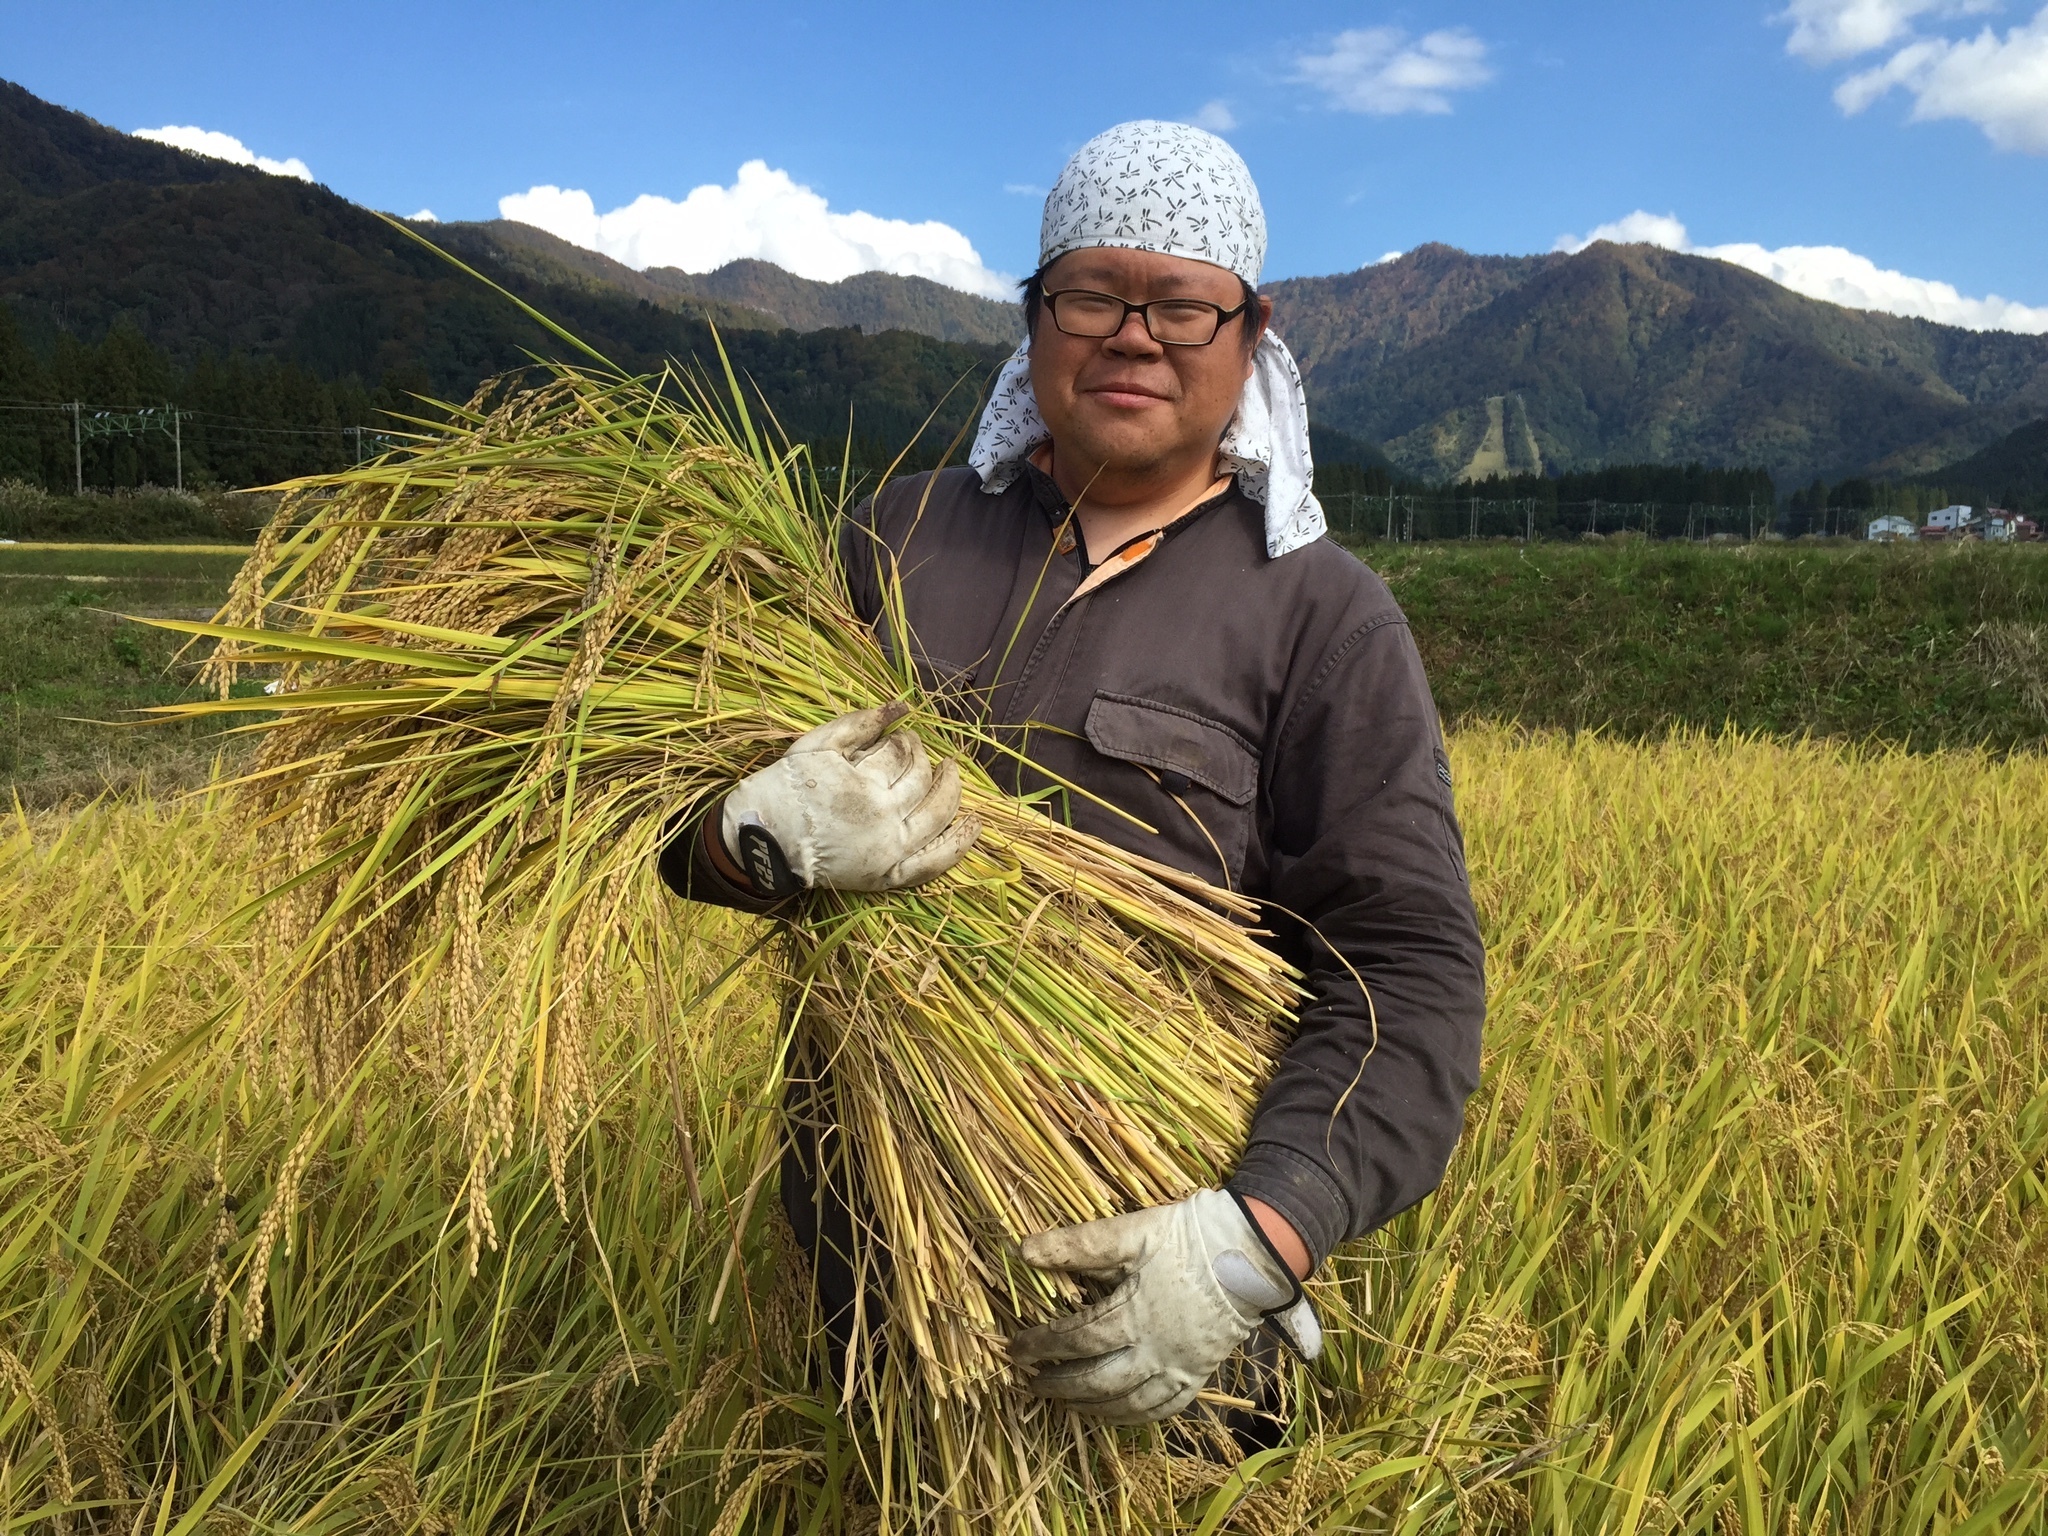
{"x": 1913, "y": 133}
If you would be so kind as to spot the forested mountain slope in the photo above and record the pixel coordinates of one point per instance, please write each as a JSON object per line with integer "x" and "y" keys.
{"x": 1633, "y": 353}
{"x": 103, "y": 236}
{"x": 2012, "y": 472}
{"x": 754, "y": 293}
{"x": 873, "y": 301}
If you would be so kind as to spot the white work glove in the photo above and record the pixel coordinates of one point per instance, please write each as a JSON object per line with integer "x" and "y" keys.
{"x": 852, "y": 806}
{"x": 1197, "y": 1278}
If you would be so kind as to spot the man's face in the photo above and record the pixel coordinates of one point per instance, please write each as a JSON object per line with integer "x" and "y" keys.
{"x": 1125, "y": 402}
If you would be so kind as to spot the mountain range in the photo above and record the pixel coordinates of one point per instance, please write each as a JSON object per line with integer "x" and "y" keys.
{"x": 1461, "y": 364}
{"x": 1455, "y": 365}
{"x": 103, "y": 234}
{"x": 749, "y": 293}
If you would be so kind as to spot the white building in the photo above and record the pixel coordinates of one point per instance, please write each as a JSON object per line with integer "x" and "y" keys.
{"x": 1889, "y": 530}
{"x": 1950, "y": 519}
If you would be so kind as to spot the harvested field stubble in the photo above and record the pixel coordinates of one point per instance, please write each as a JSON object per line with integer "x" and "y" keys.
{"x": 1746, "y": 1233}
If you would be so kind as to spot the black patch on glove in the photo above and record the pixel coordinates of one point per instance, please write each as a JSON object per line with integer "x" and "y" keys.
{"x": 762, "y": 858}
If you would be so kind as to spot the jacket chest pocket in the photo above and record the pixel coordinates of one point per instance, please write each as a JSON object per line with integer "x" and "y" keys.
{"x": 1199, "y": 779}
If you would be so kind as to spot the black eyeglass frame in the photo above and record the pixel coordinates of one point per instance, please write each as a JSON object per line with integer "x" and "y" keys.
{"x": 1144, "y": 314}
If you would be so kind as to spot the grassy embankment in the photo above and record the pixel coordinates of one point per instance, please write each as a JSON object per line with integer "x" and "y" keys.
{"x": 1745, "y": 1234}
{"x": 1930, "y": 647}
{"x": 149, "y": 515}
{"x": 69, "y": 665}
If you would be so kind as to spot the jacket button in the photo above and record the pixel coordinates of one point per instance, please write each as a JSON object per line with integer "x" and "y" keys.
{"x": 1174, "y": 783}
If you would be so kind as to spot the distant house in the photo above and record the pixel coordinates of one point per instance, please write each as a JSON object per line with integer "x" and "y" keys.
{"x": 1891, "y": 530}
{"x": 1947, "y": 523}
{"x": 2003, "y": 527}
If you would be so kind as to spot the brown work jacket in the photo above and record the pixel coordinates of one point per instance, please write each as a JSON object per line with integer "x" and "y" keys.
{"x": 1269, "y": 718}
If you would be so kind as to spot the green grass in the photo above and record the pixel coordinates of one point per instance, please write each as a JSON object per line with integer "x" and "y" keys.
{"x": 150, "y": 515}
{"x": 139, "y": 572}
{"x": 69, "y": 665}
{"x": 1933, "y": 646}
{"x": 1925, "y": 646}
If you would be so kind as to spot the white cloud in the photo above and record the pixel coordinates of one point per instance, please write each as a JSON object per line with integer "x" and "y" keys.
{"x": 223, "y": 146}
{"x": 1638, "y": 228}
{"x": 1024, "y": 189}
{"x": 1378, "y": 70}
{"x": 1215, "y": 116}
{"x": 424, "y": 216}
{"x": 1389, "y": 256}
{"x": 1861, "y": 89}
{"x": 1825, "y": 31}
{"x": 1998, "y": 83}
{"x": 1829, "y": 272}
{"x": 763, "y": 214}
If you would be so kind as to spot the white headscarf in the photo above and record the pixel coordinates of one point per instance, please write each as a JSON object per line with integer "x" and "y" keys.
{"x": 1167, "y": 187}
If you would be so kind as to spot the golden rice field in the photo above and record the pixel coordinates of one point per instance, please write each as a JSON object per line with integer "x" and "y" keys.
{"x": 1748, "y": 1231}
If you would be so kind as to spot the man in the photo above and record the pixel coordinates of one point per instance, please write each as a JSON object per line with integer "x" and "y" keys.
{"x": 1130, "y": 585}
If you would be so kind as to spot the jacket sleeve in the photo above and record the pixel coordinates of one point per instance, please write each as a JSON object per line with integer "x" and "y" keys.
{"x": 686, "y": 867}
{"x": 1370, "y": 896}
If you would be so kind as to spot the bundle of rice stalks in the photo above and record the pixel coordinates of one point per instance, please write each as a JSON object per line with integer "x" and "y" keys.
{"x": 506, "y": 658}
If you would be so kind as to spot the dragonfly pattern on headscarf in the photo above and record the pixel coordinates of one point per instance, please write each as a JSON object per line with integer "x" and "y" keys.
{"x": 1152, "y": 186}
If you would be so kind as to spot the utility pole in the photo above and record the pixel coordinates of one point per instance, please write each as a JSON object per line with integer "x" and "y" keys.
{"x": 178, "y": 444}
{"x": 77, "y": 454}
{"x": 1390, "y": 517}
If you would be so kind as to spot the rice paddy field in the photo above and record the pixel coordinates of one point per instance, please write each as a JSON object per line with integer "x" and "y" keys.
{"x": 1748, "y": 1231}
{"x": 69, "y": 663}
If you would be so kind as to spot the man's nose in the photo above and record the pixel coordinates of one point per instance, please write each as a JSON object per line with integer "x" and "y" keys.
{"x": 1132, "y": 339}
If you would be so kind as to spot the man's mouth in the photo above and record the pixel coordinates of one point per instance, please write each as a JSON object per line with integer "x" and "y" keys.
{"x": 1125, "y": 396}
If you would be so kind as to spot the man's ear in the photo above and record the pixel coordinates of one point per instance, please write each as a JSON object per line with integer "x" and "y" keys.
{"x": 1254, "y": 332}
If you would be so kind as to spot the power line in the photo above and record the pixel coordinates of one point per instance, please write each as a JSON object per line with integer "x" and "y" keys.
{"x": 1446, "y": 514}
{"x": 222, "y": 431}
{"x": 150, "y": 418}
{"x": 220, "y": 422}
{"x": 216, "y": 420}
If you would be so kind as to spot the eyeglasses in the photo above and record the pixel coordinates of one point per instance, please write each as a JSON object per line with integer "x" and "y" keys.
{"x": 1170, "y": 322}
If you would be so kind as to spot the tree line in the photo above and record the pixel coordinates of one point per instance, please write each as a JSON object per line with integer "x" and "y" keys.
{"x": 1847, "y": 506}
{"x": 1349, "y": 467}
{"x": 242, "y": 420}
{"x": 245, "y": 421}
